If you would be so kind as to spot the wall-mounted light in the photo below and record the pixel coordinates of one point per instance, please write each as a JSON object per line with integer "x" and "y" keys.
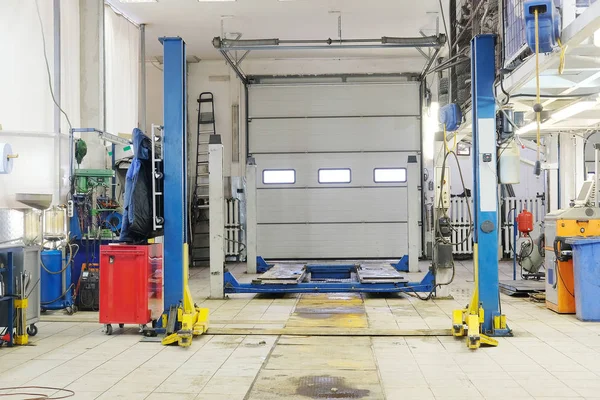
{"x": 432, "y": 125}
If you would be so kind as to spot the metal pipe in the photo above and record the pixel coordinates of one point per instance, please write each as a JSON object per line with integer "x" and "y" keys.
{"x": 57, "y": 97}
{"x": 469, "y": 22}
{"x": 429, "y": 63}
{"x": 385, "y": 41}
{"x": 333, "y": 46}
{"x": 234, "y": 66}
{"x": 142, "y": 117}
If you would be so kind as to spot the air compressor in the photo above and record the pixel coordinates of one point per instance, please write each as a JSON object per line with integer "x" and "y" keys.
{"x": 530, "y": 256}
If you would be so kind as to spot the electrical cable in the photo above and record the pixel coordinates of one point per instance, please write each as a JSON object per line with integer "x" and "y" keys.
{"x": 59, "y": 297}
{"x": 38, "y": 396}
{"x": 37, "y": 7}
{"x": 556, "y": 96}
{"x": 562, "y": 279}
{"x": 445, "y": 210}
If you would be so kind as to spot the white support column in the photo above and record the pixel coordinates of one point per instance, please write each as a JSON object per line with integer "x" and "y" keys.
{"x": 442, "y": 275}
{"x": 91, "y": 19}
{"x": 552, "y": 158}
{"x": 216, "y": 198}
{"x": 251, "y": 216}
{"x": 414, "y": 233}
{"x": 571, "y": 171}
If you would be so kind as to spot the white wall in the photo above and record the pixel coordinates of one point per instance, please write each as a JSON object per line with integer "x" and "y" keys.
{"x": 529, "y": 186}
{"x": 26, "y": 106}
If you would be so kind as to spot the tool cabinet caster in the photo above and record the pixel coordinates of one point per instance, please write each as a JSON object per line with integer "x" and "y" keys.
{"x": 32, "y": 330}
{"x": 108, "y": 329}
{"x": 121, "y": 326}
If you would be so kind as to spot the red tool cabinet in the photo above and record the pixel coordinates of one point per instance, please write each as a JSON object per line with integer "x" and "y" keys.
{"x": 131, "y": 284}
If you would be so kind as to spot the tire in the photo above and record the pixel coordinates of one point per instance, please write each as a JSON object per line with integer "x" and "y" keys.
{"x": 463, "y": 96}
{"x": 32, "y": 330}
{"x": 463, "y": 81}
{"x": 108, "y": 329}
{"x": 463, "y": 69}
{"x": 443, "y": 86}
{"x": 443, "y": 99}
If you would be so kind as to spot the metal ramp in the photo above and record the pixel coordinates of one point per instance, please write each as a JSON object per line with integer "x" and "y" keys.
{"x": 290, "y": 274}
{"x": 522, "y": 287}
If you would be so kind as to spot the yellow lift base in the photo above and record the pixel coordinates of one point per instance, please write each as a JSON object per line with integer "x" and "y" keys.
{"x": 467, "y": 322}
{"x": 192, "y": 319}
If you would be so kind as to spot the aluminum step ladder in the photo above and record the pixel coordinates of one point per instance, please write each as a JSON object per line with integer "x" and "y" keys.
{"x": 200, "y": 224}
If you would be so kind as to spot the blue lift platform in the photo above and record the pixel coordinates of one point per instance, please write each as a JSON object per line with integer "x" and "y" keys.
{"x": 331, "y": 278}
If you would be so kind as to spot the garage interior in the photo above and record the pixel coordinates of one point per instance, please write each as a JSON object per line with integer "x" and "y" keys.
{"x": 256, "y": 200}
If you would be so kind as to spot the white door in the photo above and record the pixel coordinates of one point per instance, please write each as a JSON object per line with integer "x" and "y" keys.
{"x": 332, "y": 168}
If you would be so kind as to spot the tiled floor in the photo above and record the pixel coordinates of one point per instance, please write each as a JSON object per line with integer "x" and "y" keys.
{"x": 551, "y": 355}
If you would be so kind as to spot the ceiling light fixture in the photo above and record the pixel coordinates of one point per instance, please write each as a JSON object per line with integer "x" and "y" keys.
{"x": 573, "y": 109}
{"x": 214, "y": 1}
{"x": 560, "y": 115}
{"x": 138, "y": 1}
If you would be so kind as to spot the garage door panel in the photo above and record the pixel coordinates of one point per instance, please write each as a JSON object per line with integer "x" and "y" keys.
{"x": 334, "y": 134}
{"x": 327, "y": 100}
{"x": 386, "y": 204}
{"x": 307, "y": 167}
{"x": 367, "y": 240}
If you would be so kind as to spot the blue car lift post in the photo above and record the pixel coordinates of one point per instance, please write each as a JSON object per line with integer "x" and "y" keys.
{"x": 482, "y": 319}
{"x": 181, "y": 319}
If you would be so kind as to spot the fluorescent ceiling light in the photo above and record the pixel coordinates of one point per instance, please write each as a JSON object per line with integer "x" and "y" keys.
{"x": 573, "y": 109}
{"x": 560, "y": 115}
{"x": 213, "y": 1}
{"x": 138, "y": 1}
{"x": 527, "y": 128}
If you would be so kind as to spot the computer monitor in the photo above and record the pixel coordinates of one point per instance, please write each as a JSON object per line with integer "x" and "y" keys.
{"x": 585, "y": 194}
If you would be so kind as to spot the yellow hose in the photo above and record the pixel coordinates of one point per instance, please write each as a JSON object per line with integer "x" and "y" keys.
{"x": 446, "y": 141}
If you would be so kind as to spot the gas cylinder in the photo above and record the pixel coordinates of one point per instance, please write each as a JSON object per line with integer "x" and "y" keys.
{"x": 525, "y": 222}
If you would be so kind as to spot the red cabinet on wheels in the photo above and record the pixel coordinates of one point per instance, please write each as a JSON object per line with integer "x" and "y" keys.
{"x": 131, "y": 284}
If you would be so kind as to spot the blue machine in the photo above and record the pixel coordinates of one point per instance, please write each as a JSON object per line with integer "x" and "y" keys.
{"x": 55, "y": 282}
{"x": 548, "y": 23}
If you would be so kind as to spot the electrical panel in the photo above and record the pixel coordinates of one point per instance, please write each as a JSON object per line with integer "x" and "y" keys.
{"x": 442, "y": 188}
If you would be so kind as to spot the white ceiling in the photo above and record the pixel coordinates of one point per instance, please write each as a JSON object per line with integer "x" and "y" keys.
{"x": 198, "y": 22}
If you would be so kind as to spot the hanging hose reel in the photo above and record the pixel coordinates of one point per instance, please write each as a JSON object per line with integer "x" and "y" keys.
{"x": 549, "y": 25}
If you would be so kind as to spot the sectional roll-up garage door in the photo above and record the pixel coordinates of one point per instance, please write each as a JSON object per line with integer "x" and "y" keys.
{"x": 332, "y": 167}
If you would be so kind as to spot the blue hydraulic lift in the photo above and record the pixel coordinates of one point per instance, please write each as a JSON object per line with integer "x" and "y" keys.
{"x": 482, "y": 319}
{"x": 183, "y": 319}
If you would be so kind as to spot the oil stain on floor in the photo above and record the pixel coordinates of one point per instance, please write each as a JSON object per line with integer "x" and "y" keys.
{"x": 319, "y": 367}
{"x": 328, "y": 387}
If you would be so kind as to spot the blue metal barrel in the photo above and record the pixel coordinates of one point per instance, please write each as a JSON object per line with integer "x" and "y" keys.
{"x": 55, "y": 283}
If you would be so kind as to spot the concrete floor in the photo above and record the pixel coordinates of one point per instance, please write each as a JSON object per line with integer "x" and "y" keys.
{"x": 551, "y": 356}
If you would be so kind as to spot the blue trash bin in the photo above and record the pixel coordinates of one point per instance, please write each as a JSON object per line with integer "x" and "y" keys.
{"x": 586, "y": 274}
